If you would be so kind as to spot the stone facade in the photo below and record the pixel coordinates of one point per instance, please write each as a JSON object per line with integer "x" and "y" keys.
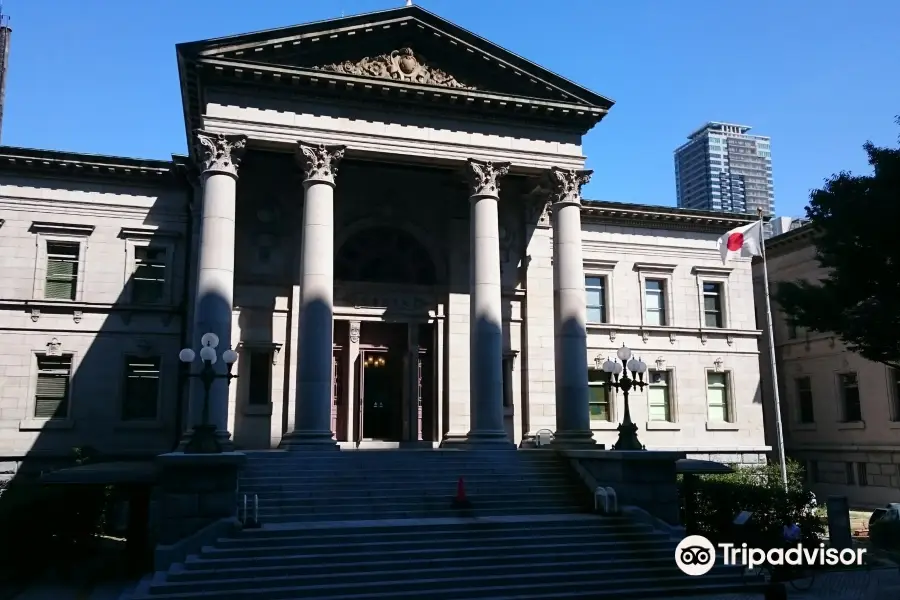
{"x": 840, "y": 412}
{"x": 458, "y": 257}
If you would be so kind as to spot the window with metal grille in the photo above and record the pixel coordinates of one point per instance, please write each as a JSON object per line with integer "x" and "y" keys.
{"x": 62, "y": 270}
{"x": 51, "y": 396}
{"x": 718, "y": 408}
{"x": 595, "y": 290}
{"x": 712, "y": 304}
{"x": 259, "y": 380}
{"x": 149, "y": 279}
{"x": 655, "y": 302}
{"x": 658, "y": 394}
{"x": 141, "y": 394}
{"x": 862, "y": 474}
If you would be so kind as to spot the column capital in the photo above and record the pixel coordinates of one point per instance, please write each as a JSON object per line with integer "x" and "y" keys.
{"x": 319, "y": 161}
{"x": 484, "y": 177}
{"x": 565, "y": 184}
{"x": 219, "y": 152}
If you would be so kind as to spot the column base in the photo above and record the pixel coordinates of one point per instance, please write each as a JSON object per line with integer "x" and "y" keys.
{"x": 493, "y": 439}
{"x": 309, "y": 440}
{"x": 573, "y": 439}
{"x": 209, "y": 441}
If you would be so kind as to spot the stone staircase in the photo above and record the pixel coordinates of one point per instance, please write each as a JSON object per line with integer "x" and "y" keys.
{"x": 379, "y": 525}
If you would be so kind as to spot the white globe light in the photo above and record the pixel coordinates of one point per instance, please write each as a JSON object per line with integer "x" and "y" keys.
{"x": 609, "y": 366}
{"x": 624, "y": 353}
{"x": 187, "y": 355}
{"x": 208, "y": 354}
{"x": 210, "y": 339}
{"x": 633, "y": 365}
{"x": 642, "y": 367}
{"x": 229, "y": 356}
{"x": 618, "y": 368}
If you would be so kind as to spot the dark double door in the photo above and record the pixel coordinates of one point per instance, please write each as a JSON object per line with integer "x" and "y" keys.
{"x": 381, "y": 395}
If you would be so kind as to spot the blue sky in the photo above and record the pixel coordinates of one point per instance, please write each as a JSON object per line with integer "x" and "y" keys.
{"x": 818, "y": 76}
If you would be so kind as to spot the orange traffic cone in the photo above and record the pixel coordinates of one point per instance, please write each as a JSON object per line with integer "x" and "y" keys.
{"x": 461, "y": 500}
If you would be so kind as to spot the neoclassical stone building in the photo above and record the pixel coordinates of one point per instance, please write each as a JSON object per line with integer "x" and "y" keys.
{"x": 841, "y": 412}
{"x": 382, "y": 215}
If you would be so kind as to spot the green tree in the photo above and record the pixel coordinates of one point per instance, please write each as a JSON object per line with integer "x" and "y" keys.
{"x": 856, "y": 224}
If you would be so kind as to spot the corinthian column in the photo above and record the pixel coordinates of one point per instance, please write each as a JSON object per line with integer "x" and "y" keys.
{"x": 485, "y": 306}
{"x": 573, "y": 421}
{"x": 218, "y": 157}
{"x": 315, "y": 339}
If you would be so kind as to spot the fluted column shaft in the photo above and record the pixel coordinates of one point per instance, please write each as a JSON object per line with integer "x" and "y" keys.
{"x": 218, "y": 157}
{"x": 573, "y": 421}
{"x": 485, "y": 306}
{"x": 315, "y": 340}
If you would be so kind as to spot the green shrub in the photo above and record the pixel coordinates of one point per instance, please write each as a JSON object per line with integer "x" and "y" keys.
{"x": 717, "y": 500}
{"x": 885, "y": 535}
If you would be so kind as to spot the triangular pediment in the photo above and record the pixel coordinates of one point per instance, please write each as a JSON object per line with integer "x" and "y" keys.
{"x": 408, "y": 45}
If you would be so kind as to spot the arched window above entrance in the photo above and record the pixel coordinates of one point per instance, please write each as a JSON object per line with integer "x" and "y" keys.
{"x": 384, "y": 255}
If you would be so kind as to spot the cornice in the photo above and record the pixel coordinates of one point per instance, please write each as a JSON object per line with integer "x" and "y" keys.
{"x": 70, "y": 165}
{"x": 327, "y": 84}
{"x": 84, "y": 209}
{"x": 661, "y": 217}
{"x": 789, "y": 241}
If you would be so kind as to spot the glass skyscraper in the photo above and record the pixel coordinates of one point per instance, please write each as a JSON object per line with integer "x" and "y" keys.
{"x": 723, "y": 168}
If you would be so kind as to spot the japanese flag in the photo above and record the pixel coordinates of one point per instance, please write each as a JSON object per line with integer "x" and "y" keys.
{"x": 746, "y": 240}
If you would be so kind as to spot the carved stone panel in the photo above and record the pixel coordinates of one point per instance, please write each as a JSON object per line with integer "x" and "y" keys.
{"x": 399, "y": 65}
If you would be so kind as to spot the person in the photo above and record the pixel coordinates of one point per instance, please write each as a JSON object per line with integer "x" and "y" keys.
{"x": 792, "y": 534}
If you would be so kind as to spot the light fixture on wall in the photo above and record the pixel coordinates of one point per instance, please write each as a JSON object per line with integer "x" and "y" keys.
{"x": 375, "y": 361}
{"x": 203, "y": 438}
{"x": 626, "y": 374}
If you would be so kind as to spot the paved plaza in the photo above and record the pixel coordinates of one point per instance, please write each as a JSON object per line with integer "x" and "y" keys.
{"x": 877, "y": 584}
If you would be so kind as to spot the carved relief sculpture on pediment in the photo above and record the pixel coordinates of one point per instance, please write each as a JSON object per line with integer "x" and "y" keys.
{"x": 399, "y": 65}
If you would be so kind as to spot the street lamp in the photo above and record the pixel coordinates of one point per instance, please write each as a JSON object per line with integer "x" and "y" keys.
{"x": 203, "y": 440}
{"x": 617, "y": 377}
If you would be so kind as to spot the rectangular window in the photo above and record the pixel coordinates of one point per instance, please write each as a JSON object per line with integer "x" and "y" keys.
{"x": 895, "y": 394}
{"x": 812, "y": 471}
{"x": 51, "y": 396}
{"x": 655, "y": 301}
{"x": 851, "y": 475}
{"x": 149, "y": 279}
{"x": 712, "y": 304}
{"x": 805, "y": 413}
{"x": 792, "y": 329}
{"x": 849, "y": 388}
{"x": 141, "y": 388}
{"x": 862, "y": 474}
{"x": 598, "y": 396}
{"x": 595, "y": 289}
{"x": 659, "y": 395}
{"x": 259, "y": 379}
{"x": 62, "y": 270}
{"x": 717, "y": 398}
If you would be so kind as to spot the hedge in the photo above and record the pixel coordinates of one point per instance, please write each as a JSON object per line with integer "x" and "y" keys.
{"x": 718, "y": 499}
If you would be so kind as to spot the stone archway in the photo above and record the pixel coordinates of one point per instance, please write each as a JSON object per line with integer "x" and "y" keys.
{"x": 384, "y": 254}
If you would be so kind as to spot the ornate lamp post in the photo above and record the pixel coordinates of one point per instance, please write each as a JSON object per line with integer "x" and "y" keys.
{"x": 203, "y": 440}
{"x": 617, "y": 377}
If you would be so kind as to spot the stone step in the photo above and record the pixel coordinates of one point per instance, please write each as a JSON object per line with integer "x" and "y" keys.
{"x": 612, "y": 583}
{"x": 250, "y": 568}
{"x": 412, "y": 472}
{"x": 426, "y": 547}
{"x": 412, "y": 478}
{"x": 299, "y": 517}
{"x": 441, "y": 527}
{"x": 515, "y": 553}
{"x": 367, "y": 510}
{"x": 424, "y": 489}
{"x": 355, "y": 498}
{"x": 414, "y": 571}
{"x": 411, "y": 538}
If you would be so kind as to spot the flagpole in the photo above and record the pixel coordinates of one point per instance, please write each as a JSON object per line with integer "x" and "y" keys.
{"x": 779, "y": 430}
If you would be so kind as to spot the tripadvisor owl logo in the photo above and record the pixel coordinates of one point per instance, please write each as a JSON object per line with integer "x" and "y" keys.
{"x": 695, "y": 555}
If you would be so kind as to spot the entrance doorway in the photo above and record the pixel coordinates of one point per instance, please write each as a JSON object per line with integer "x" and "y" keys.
{"x": 381, "y": 394}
